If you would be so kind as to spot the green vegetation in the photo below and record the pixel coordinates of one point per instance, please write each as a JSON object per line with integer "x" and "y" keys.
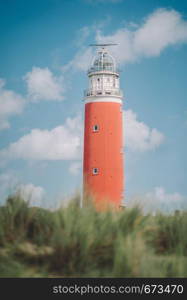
{"x": 74, "y": 242}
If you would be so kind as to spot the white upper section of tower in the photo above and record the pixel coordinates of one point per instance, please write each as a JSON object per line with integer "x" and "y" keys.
{"x": 103, "y": 76}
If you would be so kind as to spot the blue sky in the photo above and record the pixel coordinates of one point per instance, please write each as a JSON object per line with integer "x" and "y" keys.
{"x": 43, "y": 60}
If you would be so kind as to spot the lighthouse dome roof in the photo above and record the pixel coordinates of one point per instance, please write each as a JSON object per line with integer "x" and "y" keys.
{"x": 103, "y": 62}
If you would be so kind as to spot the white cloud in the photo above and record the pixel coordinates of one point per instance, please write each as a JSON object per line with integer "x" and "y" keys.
{"x": 124, "y": 51}
{"x": 75, "y": 168}
{"x": 159, "y": 200}
{"x": 65, "y": 142}
{"x": 61, "y": 143}
{"x": 43, "y": 85}
{"x": 82, "y": 35}
{"x": 161, "y": 29}
{"x": 11, "y": 104}
{"x": 81, "y": 61}
{"x": 31, "y": 193}
{"x": 83, "y": 58}
{"x": 10, "y": 184}
{"x": 138, "y": 136}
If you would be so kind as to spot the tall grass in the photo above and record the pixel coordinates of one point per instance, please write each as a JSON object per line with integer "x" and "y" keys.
{"x": 81, "y": 242}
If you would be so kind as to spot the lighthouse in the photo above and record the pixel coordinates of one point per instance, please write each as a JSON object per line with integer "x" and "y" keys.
{"x": 103, "y": 173}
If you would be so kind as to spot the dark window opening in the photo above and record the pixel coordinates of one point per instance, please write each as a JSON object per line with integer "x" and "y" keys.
{"x": 95, "y": 171}
{"x": 96, "y": 128}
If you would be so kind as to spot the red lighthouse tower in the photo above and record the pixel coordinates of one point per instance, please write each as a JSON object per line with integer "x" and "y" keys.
{"x": 103, "y": 133}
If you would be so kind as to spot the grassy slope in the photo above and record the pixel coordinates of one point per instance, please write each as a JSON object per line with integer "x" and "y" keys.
{"x": 74, "y": 242}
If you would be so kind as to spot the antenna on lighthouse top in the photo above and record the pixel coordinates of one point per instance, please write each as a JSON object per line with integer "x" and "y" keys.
{"x": 103, "y": 45}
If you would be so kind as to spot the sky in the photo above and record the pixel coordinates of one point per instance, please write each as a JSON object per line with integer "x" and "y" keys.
{"x": 44, "y": 57}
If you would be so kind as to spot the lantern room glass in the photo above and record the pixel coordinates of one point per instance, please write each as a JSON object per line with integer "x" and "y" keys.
{"x": 103, "y": 62}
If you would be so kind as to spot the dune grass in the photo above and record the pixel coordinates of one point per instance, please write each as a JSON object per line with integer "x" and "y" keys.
{"x": 81, "y": 242}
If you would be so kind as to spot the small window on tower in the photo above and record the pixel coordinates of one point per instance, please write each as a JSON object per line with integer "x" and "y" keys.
{"x": 96, "y": 128}
{"x": 98, "y": 79}
{"x": 95, "y": 171}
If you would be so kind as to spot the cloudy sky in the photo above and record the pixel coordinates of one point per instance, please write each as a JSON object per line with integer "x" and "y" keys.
{"x": 43, "y": 61}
